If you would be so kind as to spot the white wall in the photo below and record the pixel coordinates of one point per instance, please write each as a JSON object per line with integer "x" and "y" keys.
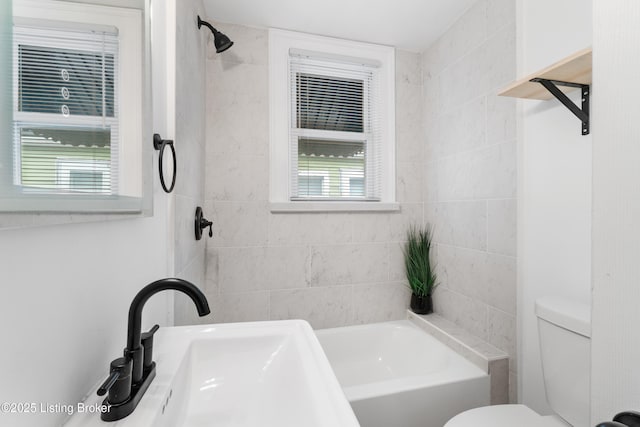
{"x": 554, "y": 183}
{"x": 615, "y": 339}
{"x": 66, "y": 295}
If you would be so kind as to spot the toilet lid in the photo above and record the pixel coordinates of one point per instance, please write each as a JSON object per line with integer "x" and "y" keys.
{"x": 503, "y": 416}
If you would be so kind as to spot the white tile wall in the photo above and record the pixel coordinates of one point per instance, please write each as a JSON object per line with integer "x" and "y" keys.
{"x": 501, "y": 332}
{"x": 331, "y": 269}
{"x": 323, "y": 307}
{"x": 396, "y": 262}
{"x": 246, "y": 176}
{"x": 470, "y": 173}
{"x": 500, "y": 13}
{"x": 469, "y": 132}
{"x": 242, "y": 306}
{"x": 189, "y": 140}
{"x": 379, "y": 302}
{"x": 501, "y": 119}
{"x": 409, "y": 181}
{"x": 479, "y": 275}
{"x": 238, "y": 223}
{"x": 478, "y": 174}
{"x": 373, "y": 227}
{"x": 459, "y": 223}
{"x": 312, "y": 229}
{"x": 501, "y": 231}
{"x": 257, "y": 268}
{"x": 348, "y": 264}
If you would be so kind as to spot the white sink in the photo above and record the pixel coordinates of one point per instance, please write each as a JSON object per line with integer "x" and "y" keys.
{"x": 244, "y": 374}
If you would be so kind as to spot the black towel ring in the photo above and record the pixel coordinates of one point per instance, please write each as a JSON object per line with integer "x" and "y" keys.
{"x": 160, "y": 144}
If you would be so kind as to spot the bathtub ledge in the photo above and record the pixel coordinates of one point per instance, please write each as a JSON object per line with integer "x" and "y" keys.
{"x": 487, "y": 357}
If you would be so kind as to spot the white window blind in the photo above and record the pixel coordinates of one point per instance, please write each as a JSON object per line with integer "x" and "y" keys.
{"x": 334, "y": 130}
{"x": 66, "y": 129}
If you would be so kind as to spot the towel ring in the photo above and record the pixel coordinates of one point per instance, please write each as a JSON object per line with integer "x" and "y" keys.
{"x": 160, "y": 144}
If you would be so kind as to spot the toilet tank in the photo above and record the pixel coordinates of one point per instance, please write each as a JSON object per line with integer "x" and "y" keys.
{"x": 564, "y": 327}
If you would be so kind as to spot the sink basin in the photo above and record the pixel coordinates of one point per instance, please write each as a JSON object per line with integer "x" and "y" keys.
{"x": 244, "y": 374}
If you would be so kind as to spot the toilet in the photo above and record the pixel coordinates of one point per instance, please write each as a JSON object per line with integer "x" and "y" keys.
{"x": 564, "y": 328}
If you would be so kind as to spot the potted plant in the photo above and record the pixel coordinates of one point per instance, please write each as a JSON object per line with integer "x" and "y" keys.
{"x": 420, "y": 272}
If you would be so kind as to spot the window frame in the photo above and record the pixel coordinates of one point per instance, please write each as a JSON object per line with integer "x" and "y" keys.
{"x": 134, "y": 193}
{"x": 366, "y": 136}
{"x": 281, "y": 45}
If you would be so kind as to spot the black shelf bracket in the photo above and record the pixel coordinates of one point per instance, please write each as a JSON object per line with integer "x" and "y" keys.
{"x": 581, "y": 113}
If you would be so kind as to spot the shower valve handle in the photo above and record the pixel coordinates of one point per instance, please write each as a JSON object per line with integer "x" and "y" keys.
{"x": 201, "y": 223}
{"x": 204, "y": 223}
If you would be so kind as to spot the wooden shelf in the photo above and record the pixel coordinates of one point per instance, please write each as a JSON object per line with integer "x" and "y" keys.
{"x": 575, "y": 69}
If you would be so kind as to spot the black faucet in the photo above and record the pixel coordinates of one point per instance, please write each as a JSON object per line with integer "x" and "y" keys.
{"x": 131, "y": 375}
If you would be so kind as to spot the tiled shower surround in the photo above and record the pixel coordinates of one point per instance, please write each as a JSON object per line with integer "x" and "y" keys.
{"x": 189, "y": 254}
{"x": 456, "y": 169}
{"x": 331, "y": 269}
{"x": 471, "y": 172}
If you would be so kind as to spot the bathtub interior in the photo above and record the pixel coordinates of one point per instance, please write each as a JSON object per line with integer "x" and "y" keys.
{"x": 389, "y": 357}
{"x": 396, "y": 374}
{"x": 362, "y": 355}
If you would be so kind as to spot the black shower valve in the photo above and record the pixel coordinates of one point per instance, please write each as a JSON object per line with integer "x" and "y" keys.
{"x": 201, "y": 223}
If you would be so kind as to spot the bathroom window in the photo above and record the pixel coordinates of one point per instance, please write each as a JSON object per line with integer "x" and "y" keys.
{"x": 65, "y": 111}
{"x": 76, "y": 137}
{"x": 332, "y": 104}
{"x": 333, "y": 126}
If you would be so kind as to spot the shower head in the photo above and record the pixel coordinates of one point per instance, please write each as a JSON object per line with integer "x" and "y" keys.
{"x": 221, "y": 41}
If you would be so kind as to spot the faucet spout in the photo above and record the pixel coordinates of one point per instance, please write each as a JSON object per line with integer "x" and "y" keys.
{"x": 134, "y": 350}
{"x": 134, "y": 330}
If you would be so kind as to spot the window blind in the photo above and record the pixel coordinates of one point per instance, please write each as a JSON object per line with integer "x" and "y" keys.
{"x": 66, "y": 129}
{"x": 335, "y": 131}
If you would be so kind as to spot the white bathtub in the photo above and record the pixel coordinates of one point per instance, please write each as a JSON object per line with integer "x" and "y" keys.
{"x": 396, "y": 375}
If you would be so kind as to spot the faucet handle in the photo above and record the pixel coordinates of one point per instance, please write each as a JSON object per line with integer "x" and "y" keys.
{"x": 147, "y": 343}
{"x": 109, "y": 382}
{"x": 149, "y": 333}
{"x": 119, "y": 382}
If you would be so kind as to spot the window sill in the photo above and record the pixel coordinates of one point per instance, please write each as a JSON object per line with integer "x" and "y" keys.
{"x": 297, "y": 207}
{"x": 58, "y": 203}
